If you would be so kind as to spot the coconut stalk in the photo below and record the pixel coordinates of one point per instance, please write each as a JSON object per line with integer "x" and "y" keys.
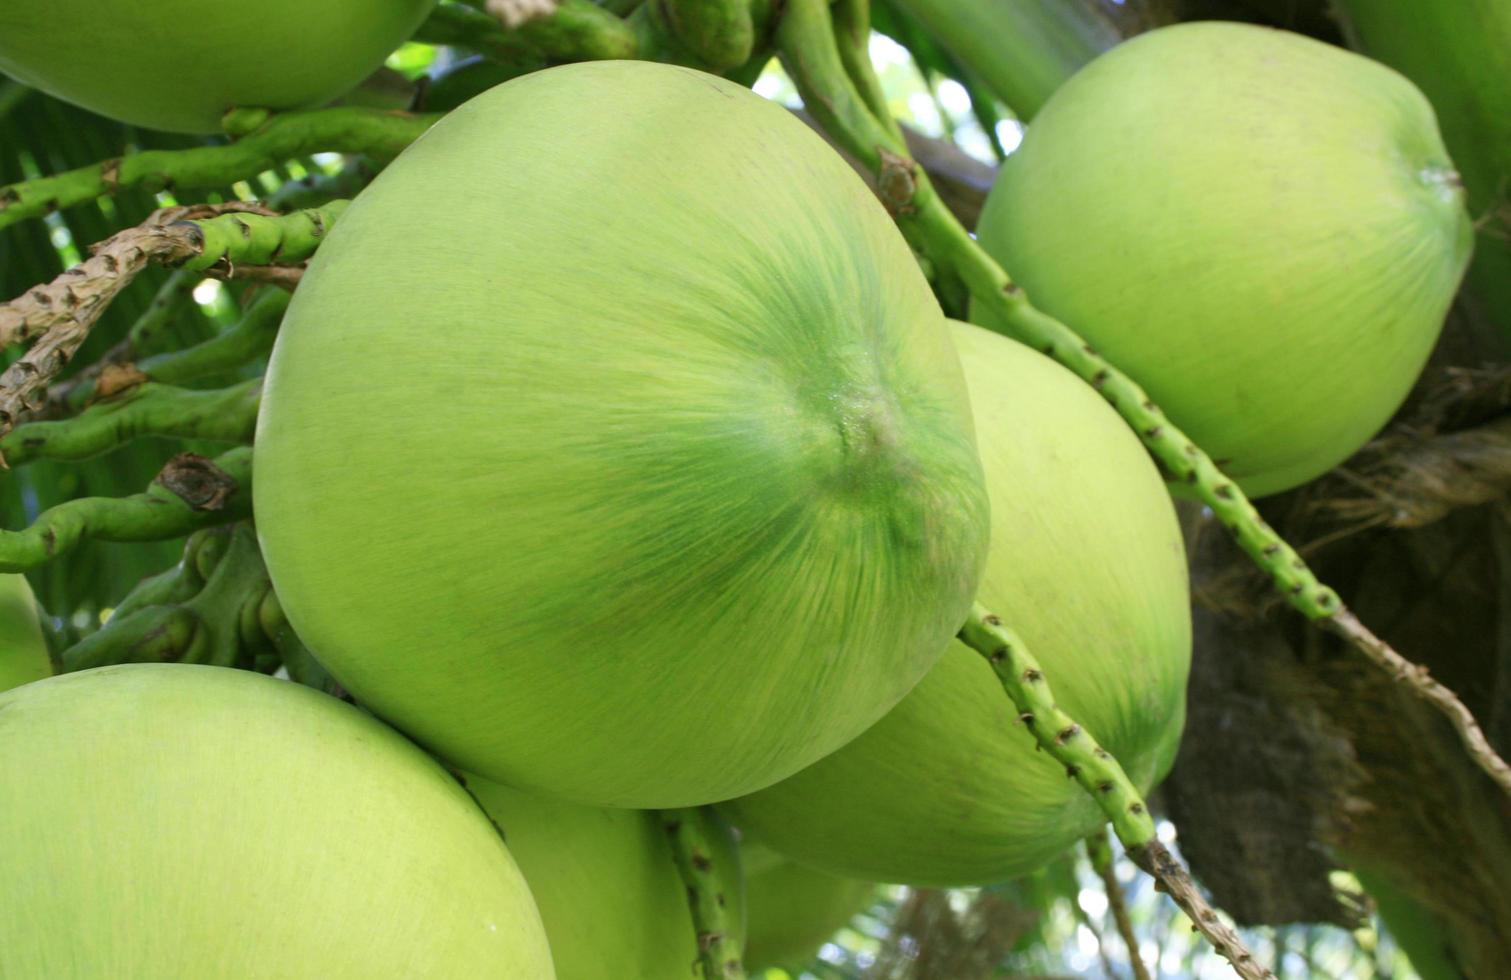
{"x": 198, "y": 238}
{"x": 189, "y": 493}
{"x": 378, "y": 133}
{"x": 810, "y": 52}
{"x": 706, "y": 883}
{"x": 720, "y": 32}
{"x": 217, "y": 622}
{"x": 1100, "y": 775}
{"x": 121, "y": 367}
{"x": 146, "y": 409}
{"x": 575, "y": 30}
{"x": 1021, "y": 49}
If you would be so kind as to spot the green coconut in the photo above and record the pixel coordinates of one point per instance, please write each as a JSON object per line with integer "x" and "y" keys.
{"x": 1460, "y": 55}
{"x": 23, "y": 649}
{"x": 792, "y": 910}
{"x": 180, "y": 64}
{"x": 1087, "y": 564}
{"x": 604, "y": 880}
{"x": 183, "y": 822}
{"x": 615, "y": 447}
{"x": 1263, "y": 230}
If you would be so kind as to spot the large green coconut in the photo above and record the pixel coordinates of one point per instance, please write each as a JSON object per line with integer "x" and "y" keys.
{"x": 604, "y": 880}
{"x": 182, "y": 822}
{"x": 23, "y": 649}
{"x": 1263, "y": 230}
{"x": 180, "y": 64}
{"x": 791, "y": 910}
{"x": 615, "y": 447}
{"x": 1087, "y": 564}
{"x": 1460, "y": 55}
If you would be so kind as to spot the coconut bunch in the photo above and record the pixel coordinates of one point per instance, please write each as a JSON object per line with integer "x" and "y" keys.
{"x": 617, "y": 458}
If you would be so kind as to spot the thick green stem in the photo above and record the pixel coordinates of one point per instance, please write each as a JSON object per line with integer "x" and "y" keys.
{"x": 1099, "y": 774}
{"x": 578, "y": 30}
{"x": 217, "y": 624}
{"x": 708, "y": 888}
{"x": 1023, "y": 49}
{"x": 244, "y": 341}
{"x": 852, "y": 37}
{"x": 719, "y": 32}
{"x": 190, "y": 493}
{"x": 246, "y": 238}
{"x": 377, "y": 133}
{"x": 226, "y": 415}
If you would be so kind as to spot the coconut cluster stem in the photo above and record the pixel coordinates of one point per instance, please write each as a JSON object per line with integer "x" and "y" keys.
{"x": 191, "y": 492}
{"x": 196, "y": 238}
{"x": 719, "y": 32}
{"x": 378, "y": 133}
{"x": 224, "y": 415}
{"x": 122, "y": 367}
{"x": 707, "y": 886}
{"x": 205, "y": 610}
{"x": 577, "y": 30}
{"x": 810, "y": 52}
{"x": 1100, "y": 775}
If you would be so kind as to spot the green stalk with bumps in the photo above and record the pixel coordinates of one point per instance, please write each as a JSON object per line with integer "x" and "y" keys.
{"x": 190, "y": 493}
{"x": 379, "y": 134}
{"x": 224, "y": 415}
{"x": 708, "y": 884}
{"x": 1098, "y": 773}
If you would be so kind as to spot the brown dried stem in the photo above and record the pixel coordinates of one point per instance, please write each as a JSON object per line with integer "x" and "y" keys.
{"x": 1417, "y": 679}
{"x": 63, "y": 312}
{"x": 1172, "y": 878}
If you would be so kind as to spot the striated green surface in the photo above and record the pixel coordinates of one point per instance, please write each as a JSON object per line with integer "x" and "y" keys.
{"x": 608, "y": 891}
{"x": 180, "y": 64}
{"x": 23, "y": 649}
{"x": 1460, "y": 55}
{"x": 181, "y": 822}
{"x": 614, "y": 446}
{"x": 1262, "y": 230}
{"x": 1087, "y": 565}
{"x": 791, "y": 910}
